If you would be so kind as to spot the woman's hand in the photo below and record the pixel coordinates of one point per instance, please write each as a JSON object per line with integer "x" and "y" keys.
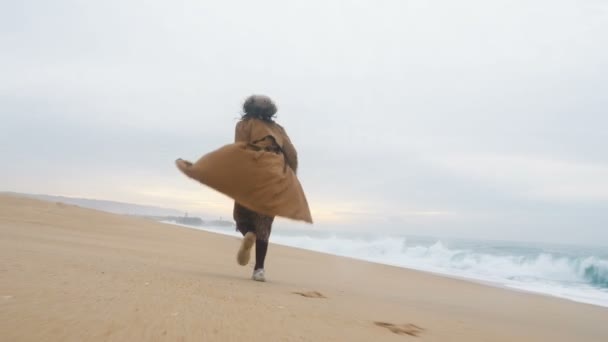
{"x": 183, "y": 165}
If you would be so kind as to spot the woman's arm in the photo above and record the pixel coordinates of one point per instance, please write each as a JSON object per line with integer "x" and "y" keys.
{"x": 291, "y": 155}
{"x": 241, "y": 133}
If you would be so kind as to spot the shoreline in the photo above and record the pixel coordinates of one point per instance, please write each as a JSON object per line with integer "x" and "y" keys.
{"x": 439, "y": 274}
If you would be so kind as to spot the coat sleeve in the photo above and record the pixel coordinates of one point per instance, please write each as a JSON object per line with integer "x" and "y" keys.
{"x": 241, "y": 132}
{"x": 291, "y": 155}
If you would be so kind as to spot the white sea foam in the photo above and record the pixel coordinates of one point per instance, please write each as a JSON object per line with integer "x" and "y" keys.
{"x": 575, "y": 275}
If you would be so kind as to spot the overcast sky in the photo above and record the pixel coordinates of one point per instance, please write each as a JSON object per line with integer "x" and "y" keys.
{"x": 468, "y": 118}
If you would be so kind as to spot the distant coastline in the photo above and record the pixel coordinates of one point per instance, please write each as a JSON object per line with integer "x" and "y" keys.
{"x": 192, "y": 221}
{"x": 131, "y": 209}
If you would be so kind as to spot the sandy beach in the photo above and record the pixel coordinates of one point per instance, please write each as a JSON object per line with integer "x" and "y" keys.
{"x": 74, "y": 274}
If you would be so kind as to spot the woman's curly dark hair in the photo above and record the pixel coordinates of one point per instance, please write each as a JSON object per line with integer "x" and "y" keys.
{"x": 259, "y": 107}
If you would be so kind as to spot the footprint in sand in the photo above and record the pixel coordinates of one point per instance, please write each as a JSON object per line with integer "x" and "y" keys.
{"x": 401, "y": 329}
{"x": 310, "y": 294}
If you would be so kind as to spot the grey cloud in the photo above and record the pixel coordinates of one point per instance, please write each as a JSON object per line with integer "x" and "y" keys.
{"x": 372, "y": 93}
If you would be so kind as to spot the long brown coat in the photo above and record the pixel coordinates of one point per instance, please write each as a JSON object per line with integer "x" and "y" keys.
{"x": 257, "y": 171}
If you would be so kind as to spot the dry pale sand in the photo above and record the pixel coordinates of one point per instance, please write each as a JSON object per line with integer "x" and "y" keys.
{"x": 73, "y": 274}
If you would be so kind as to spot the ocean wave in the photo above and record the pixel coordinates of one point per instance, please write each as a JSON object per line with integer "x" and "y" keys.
{"x": 438, "y": 257}
{"x": 595, "y": 271}
{"x": 579, "y": 274}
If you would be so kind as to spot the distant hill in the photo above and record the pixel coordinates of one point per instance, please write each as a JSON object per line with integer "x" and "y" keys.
{"x": 151, "y": 212}
{"x": 108, "y": 206}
